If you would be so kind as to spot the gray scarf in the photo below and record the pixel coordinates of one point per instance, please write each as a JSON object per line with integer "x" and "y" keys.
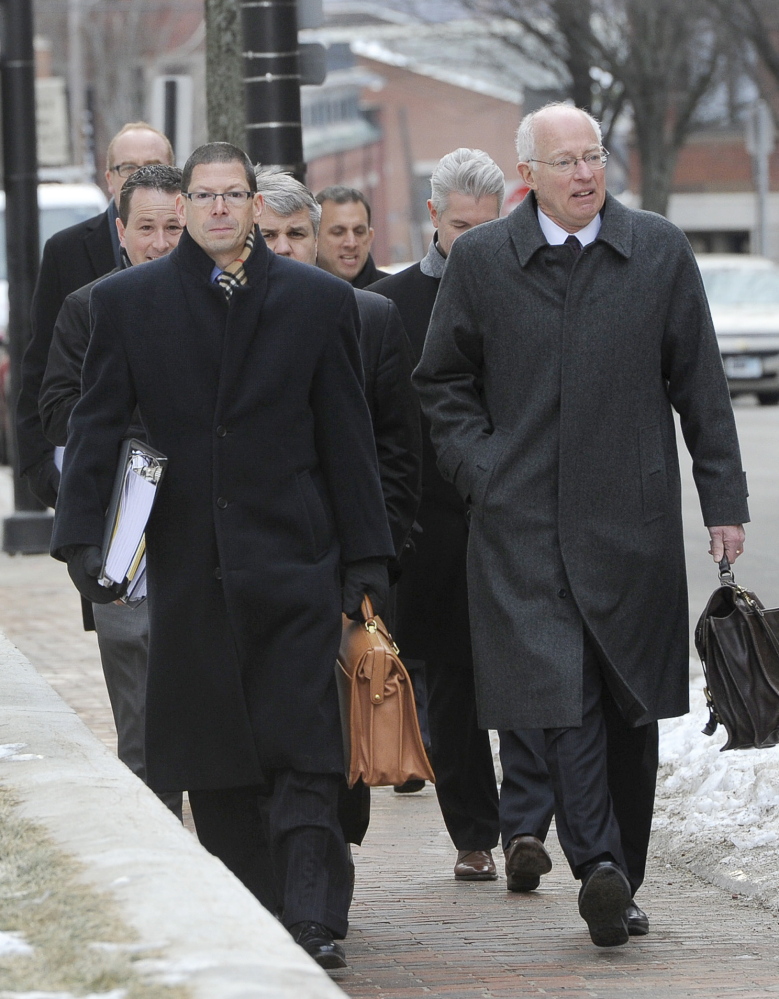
{"x": 433, "y": 264}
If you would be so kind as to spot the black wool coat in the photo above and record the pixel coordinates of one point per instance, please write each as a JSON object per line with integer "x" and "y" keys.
{"x": 431, "y": 604}
{"x": 272, "y": 482}
{"x": 71, "y": 258}
{"x": 550, "y": 382}
{"x": 387, "y": 365}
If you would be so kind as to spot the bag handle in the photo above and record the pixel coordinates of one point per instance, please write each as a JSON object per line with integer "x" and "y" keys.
{"x": 366, "y": 608}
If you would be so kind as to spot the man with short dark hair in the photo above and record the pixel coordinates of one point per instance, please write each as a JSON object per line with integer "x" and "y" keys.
{"x": 268, "y": 524}
{"x": 71, "y": 259}
{"x": 346, "y": 236}
{"x": 148, "y": 228}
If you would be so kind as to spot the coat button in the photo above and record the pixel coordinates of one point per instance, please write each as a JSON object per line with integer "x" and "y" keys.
{"x": 221, "y": 503}
{"x": 562, "y": 593}
{"x": 218, "y": 572}
{"x": 221, "y": 431}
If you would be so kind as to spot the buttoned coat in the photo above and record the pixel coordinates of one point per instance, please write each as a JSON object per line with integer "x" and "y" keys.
{"x": 549, "y": 381}
{"x": 271, "y": 483}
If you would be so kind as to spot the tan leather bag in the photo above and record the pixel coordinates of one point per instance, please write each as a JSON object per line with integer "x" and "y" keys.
{"x": 382, "y": 742}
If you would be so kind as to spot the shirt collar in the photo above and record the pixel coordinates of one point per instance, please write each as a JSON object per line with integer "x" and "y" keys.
{"x": 556, "y": 235}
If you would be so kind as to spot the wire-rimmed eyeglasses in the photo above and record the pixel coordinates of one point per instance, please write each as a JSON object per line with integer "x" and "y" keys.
{"x": 207, "y": 198}
{"x": 595, "y": 160}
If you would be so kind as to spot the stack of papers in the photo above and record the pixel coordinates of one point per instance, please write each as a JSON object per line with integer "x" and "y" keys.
{"x": 124, "y": 547}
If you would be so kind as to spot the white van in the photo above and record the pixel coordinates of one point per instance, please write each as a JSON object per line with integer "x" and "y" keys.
{"x": 61, "y": 205}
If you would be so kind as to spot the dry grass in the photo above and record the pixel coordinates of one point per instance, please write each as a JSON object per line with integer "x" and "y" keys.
{"x": 44, "y": 898}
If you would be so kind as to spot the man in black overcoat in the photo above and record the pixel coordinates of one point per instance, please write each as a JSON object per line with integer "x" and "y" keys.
{"x": 269, "y": 522}
{"x": 72, "y": 258}
{"x": 289, "y": 224}
{"x": 148, "y": 228}
{"x": 561, "y": 340}
{"x": 431, "y": 609}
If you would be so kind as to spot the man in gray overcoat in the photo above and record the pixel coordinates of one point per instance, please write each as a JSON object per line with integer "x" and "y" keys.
{"x": 550, "y": 372}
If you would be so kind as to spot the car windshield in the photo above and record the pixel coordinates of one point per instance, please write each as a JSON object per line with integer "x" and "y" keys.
{"x": 51, "y": 221}
{"x": 737, "y": 286}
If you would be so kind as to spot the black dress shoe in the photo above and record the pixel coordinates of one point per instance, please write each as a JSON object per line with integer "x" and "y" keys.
{"x": 317, "y": 941}
{"x": 526, "y": 860}
{"x": 603, "y": 901}
{"x": 410, "y": 787}
{"x": 638, "y": 921}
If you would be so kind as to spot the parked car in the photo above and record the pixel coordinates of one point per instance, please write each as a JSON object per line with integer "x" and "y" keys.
{"x": 743, "y": 293}
{"x": 61, "y": 205}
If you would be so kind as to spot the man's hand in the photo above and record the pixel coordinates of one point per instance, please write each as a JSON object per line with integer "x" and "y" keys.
{"x": 369, "y": 575}
{"x": 84, "y": 568}
{"x": 727, "y": 541}
{"x": 43, "y": 479}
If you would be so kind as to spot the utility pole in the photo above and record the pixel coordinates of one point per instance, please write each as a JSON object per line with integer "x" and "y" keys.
{"x": 760, "y": 142}
{"x": 224, "y": 73}
{"x": 29, "y": 529}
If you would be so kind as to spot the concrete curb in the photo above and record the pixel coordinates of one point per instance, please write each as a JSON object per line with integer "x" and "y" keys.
{"x": 214, "y": 937}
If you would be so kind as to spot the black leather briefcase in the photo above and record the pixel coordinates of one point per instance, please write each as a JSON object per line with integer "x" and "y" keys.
{"x": 738, "y": 642}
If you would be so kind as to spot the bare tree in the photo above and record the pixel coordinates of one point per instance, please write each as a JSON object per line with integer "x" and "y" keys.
{"x": 757, "y": 21}
{"x": 224, "y": 73}
{"x": 659, "y": 58}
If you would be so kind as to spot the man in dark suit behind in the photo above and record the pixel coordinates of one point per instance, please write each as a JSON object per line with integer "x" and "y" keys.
{"x": 71, "y": 259}
{"x": 431, "y": 623}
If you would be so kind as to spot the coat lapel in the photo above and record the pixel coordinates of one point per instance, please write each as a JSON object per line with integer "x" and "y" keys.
{"x": 97, "y": 243}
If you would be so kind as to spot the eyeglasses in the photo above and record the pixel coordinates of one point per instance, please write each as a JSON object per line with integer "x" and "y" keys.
{"x": 127, "y": 169}
{"x": 565, "y": 165}
{"x": 233, "y": 199}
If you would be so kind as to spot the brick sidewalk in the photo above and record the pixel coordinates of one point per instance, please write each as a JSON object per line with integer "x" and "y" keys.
{"x": 415, "y": 932}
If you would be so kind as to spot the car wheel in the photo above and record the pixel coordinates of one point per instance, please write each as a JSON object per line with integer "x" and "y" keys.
{"x": 768, "y": 398}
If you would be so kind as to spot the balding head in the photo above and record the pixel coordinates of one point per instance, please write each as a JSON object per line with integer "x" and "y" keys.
{"x": 561, "y": 158}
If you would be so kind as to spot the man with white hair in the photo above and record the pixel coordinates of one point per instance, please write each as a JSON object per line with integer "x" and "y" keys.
{"x": 562, "y": 339}
{"x": 432, "y": 627}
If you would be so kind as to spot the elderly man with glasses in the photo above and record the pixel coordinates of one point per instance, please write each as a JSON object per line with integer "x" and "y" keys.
{"x": 270, "y": 521}
{"x": 562, "y": 339}
{"x": 72, "y": 258}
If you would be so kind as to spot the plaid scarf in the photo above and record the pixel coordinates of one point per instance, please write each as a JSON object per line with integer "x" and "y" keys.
{"x": 234, "y": 275}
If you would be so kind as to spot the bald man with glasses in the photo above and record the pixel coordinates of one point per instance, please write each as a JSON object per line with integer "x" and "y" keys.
{"x": 562, "y": 339}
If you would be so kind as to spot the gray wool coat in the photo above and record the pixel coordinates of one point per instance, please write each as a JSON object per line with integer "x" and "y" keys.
{"x": 549, "y": 382}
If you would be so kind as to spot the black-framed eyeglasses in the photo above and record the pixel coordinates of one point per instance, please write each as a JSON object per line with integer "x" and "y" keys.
{"x": 563, "y": 165}
{"x": 127, "y": 169}
{"x": 207, "y": 198}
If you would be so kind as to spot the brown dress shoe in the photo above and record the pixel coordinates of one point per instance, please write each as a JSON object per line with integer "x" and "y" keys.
{"x": 526, "y": 860}
{"x": 475, "y": 865}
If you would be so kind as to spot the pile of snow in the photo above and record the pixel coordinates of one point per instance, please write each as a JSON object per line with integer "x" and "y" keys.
{"x": 13, "y": 944}
{"x": 708, "y": 795}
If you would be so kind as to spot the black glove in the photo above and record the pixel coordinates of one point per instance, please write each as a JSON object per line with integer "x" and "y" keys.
{"x": 43, "y": 479}
{"x": 84, "y": 568}
{"x": 368, "y": 576}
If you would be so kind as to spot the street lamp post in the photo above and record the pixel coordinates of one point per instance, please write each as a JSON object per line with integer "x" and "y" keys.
{"x": 29, "y": 529}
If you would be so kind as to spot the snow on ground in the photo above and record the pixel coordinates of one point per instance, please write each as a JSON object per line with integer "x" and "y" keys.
{"x": 114, "y": 994}
{"x": 12, "y": 944}
{"x": 717, "y": 812}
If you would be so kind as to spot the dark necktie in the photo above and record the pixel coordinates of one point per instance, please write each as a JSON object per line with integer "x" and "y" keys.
{"x": 574, "y": 244}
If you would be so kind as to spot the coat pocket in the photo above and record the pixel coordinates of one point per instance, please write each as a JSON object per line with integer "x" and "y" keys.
{"x": 317, "y": 519}
{"x": 482, "y": 465}
{"x": 654, "y": 484}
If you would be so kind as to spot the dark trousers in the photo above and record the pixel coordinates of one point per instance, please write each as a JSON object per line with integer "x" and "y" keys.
{"x": 283, "y": 841}
{"x": 123, "y": 640}
{"x": 461, "y": 756}
{"x": 629, "y": 760}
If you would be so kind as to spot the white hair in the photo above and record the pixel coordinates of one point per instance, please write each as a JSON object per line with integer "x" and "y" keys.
{"x": 526, "y": 133}
{"x": 286, "y": 196}
{"x": 466, "y": 171}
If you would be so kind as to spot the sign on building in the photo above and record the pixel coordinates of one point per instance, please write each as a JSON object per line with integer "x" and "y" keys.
{"x": 51, "y": 116}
